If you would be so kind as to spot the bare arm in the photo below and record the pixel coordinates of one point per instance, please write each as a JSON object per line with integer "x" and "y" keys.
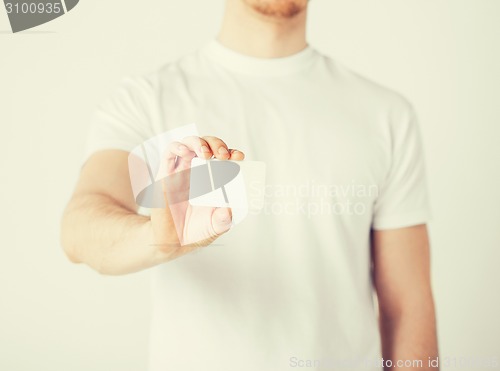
{"x": 101, "y": 227}
{"x": 402, "y": 281}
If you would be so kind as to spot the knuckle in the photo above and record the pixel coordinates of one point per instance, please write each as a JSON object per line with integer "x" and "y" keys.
{"x": 214, "y": 140}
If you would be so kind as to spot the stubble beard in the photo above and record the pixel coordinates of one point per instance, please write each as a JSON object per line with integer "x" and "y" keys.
{"x": 279, "y": 9}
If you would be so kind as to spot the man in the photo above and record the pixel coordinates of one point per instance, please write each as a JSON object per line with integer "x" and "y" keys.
{"x": 345, "y": 211}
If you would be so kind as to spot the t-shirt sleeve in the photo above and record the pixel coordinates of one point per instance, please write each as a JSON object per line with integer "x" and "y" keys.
{"x": 403, "y": 197}
{"x": 123, "y": 120}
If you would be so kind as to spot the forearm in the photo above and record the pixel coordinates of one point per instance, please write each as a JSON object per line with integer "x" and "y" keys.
{"x": 409, "y": 334}
{"x": 98, "y": 231}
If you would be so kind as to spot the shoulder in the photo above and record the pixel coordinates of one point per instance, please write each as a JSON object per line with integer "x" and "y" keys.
{"x": 164, "y": 76}
{"x": 366, "y": 91}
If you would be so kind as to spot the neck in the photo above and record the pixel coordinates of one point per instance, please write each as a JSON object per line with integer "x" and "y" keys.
{"x": 248, "y": 32}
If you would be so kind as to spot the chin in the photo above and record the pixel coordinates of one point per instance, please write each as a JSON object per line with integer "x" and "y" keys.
{"x": 278, "y": 8}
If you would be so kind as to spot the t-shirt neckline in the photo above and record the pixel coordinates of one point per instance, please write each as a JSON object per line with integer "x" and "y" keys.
{"x": 245, "y": 64}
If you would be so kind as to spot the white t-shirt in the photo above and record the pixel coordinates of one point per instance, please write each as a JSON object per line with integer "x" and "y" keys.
{"x": 291, "y": 285}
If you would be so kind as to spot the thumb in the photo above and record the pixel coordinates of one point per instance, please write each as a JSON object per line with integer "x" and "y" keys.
{"x": 221, "y": 220}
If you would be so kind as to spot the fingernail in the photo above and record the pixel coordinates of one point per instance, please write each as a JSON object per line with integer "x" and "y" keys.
{"x": 204, "y": 149}
{"x": 223, "y": 151}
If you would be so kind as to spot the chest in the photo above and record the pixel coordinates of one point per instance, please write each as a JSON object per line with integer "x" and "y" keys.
{"x": 305, "y": 135}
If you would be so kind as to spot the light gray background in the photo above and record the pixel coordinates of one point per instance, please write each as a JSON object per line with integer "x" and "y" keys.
{"x": 443, "y": 55}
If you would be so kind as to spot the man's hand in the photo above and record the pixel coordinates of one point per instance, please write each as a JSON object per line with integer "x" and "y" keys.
{"x": 180, "y": 227}
{"x": 101, "y": 227}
